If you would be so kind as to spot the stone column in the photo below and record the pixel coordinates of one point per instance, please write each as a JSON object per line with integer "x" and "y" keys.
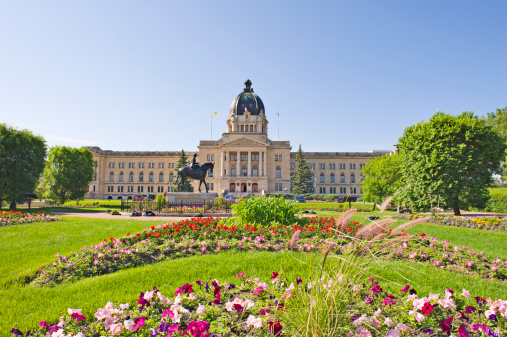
{"x": 238, "y": 165}
{"x": 222, "y": 168}
{"x": 249, "y": 172}
{"x": 265, "y": 155}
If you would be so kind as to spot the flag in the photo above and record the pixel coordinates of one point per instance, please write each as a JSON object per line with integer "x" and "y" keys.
{"x": 214, "y": 113}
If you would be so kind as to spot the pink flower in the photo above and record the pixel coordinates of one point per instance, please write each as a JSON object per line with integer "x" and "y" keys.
{"x": 418, "y": 316}
{"x": 240, "y": 275}
{"x": 203, "y": 249}
{"x": 469, "y": 263}
{"x": 494, "y": 267}
{"x": 466, "y": 293}
{"x": 116, "y": 329}
{"x": 255, "y": 322}
{"x": 436, "y": 262}
{"x": 42, "y": 271}
{"x": 411, "y": 256}
{"x": 218, "y": 248}
{"x": 96, "y": 262}
{"x": 392, "y": 333}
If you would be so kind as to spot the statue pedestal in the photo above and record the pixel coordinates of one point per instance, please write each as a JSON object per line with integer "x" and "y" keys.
{"x": 190, "y": 197}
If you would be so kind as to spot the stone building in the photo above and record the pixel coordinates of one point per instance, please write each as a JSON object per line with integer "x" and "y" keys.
{"x": 246, "y": 162}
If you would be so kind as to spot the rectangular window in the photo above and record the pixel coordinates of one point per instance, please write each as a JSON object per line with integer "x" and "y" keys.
{"x": 212, "y": 157}
{"x": 276, "y": 157}
{"x": 276, "y": 187}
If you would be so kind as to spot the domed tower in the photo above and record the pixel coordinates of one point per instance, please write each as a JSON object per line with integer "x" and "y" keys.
{"x": 247, "y": 114}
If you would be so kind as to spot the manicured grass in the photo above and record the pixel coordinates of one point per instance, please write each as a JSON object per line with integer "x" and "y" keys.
{"x": 27, "y": 248}
{"x": 493, "y": 244}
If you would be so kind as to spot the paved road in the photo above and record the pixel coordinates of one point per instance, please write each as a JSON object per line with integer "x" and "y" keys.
{"x": 122, "y": 217}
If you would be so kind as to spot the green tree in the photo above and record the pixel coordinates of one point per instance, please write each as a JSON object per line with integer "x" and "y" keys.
{"x": 452, "y": 158}
{"x": 498, "y": 120}
{"x": 382, "y": 178}
{"x": 186, "y": 186}
{"x": 21, "y": 163}
{"x": 41, "y": 190}
{"x": 301, "y": 177}
{"x": 68, "y": 173}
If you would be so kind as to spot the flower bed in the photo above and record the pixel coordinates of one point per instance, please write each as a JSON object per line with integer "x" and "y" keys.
{"x": 443, "y": 254}
{"x": 16, "y": 218}
{"x": 256, "y": 308}
{"x": 188, "y": 237}
{"x": 484, "y": 223}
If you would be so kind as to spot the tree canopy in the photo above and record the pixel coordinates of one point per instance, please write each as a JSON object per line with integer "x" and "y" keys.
{"x": 68, "y": 173}
{"x": 185, "y": 186}
{"x": 450, "y": 158}
{"x": 382, "y": 178}
{"x": 498, "y": 120}
{"x": 21, "y": 163}
{"x": 301, "y": 177}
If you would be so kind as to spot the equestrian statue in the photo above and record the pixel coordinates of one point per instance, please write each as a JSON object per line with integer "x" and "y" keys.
{"x": 195, "y": 171}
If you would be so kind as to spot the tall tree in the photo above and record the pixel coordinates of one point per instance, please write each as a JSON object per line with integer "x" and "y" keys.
{"x": 21, "y": 163}
{"x": 68, "y": 173}
{"x": 382, "y": 178}
{"x": 301, "y": 177}
{"x": 186, "y": 186}
{"x": 453, "y": 157}
{"x": 498, "y": 120}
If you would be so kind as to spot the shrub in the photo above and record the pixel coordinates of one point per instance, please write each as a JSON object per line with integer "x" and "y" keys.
{"x": 498, "y": 200}
{"x": 263, "y": 211}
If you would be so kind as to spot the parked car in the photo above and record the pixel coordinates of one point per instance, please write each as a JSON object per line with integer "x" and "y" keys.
{"x": 338, "y": 199}
{"x": 229, "y": 198}
{"x": 149, "y": 213}
{"x": 137, "y": 197}
{"x": 150, "y": 197}
{"x": 287, "y": 197}
{"x": 300, "y": 198}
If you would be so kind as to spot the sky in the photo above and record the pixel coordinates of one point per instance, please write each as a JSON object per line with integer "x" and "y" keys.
{"x": 344, "y": 76}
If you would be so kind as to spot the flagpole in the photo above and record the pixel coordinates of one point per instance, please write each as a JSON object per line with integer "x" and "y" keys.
{"x": 211, "y": 123}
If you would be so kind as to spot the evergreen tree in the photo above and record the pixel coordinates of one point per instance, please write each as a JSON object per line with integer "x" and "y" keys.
{"x": 186, "y": 186}
{"x": 301, "y": 177}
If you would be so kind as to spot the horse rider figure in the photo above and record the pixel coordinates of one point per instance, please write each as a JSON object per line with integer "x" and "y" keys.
{"x": 193, "y": 163}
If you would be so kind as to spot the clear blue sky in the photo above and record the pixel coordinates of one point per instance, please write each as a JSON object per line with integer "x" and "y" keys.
{"x": 344, "y": 76}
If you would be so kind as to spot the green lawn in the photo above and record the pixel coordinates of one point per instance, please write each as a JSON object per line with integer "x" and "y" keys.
{"x": 29, "y": 247}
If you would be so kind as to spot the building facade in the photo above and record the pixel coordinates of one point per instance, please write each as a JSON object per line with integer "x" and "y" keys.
{"x": 246, "y": 162}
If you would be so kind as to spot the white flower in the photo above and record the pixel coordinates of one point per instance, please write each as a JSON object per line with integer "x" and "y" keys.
{"x": 247, "y": 304}
{"x": 116, "y": 329}
{"x": 434, "y": 297}
{"x": 255, "y": 322}
{"x": 74, "y": 311}
{"x": 377, "y": 312}
{"x": 360, "y": 320}
{"x": 466, "y": 293}
{"x": 109, "y": 306}
{"x": 201, "y": 309}
{"x": 148, "y": 296}
{"x": 389, "y": 322}
{"x": 192, "y": 297}
{"x": 418, "y": 316}
{"x": 129, "y": 324}
{"x": 124, "y": 306}
{"x": 402, "y": 327}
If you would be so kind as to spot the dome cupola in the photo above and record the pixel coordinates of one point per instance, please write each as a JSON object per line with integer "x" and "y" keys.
{"x": 247, "y": 101}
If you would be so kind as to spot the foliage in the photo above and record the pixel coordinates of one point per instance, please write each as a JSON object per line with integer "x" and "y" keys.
{"x": 21, "y": 163}
{"x": 264, "y": 211}
{"x": 41, "y": 189}
{"x": 68, "y": 173}
{"x": 185, "y": 186}
{"x": 498, "y": 120}
{"x": 498, "y": 200}
{"x": 160, "y": 201}
{"x": 301, "y": 177}
{"x": 450, "y": 160}
{"x": 382, "y": 178}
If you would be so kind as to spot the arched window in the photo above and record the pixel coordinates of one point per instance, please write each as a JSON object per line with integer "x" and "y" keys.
{"x": 342, "y": 178}
{"x": 322, "y": 177}
{"x": 109, "y": 198}
{"x": 121, "y": 176}
{"x": 244, "y": 171}
{"x": 332, "y": 177}
{"x": 120, "y": 197}
{"x": 171, "y": 177}
{"x": 141, "y": 177}
{"x": 352, "y": 178}
{"x": 255, "y": 188}
{"x": 111, "y": 177}
{"x": 233, "y": 171}
{"x": 232, "y": 187}
{"x": 131, "y": 176}
{"x": 278, "y": 172}
{"x": 161, "y": 177}
{"x": 255, "y": 172}
{"x": 150, "y": 177}
{"x": 129, "y": 197}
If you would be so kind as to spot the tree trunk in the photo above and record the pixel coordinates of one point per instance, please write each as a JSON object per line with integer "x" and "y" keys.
{"x": 374, "y": 205}
{"x": 12, "y": 206}
{"x": 456, "y": 211}
{"x": 1, "y": 200}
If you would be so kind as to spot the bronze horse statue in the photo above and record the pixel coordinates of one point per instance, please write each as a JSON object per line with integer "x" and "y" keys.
{"x": 195, "y": 173}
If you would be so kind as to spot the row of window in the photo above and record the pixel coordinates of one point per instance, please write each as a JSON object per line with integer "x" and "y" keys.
{"x": 141, "y": 165}
{"x": 332, "y": 190}
{"x": 278, "y": 187}
{"x": 150, "y": 177}
{"x": 149, "y": 189}
{"x": 244, "y": 157}
{"x": 242, "y": 187}
{"x": 342, "y": 178}
{"x": 322, "y": 166}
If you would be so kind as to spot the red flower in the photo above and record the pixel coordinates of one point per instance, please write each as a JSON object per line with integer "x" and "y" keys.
{"x": 275, "y": 328}
{"x": 427, "y": 308}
